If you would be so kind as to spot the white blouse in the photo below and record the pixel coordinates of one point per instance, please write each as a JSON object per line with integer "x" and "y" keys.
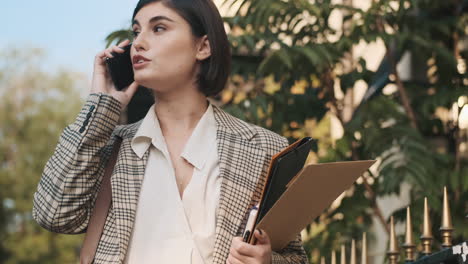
{"x": 169, "y": 229}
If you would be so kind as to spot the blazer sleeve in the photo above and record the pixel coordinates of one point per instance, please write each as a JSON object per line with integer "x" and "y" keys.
{"x": 68, "y": 186}
{"x": 294, "y": 252}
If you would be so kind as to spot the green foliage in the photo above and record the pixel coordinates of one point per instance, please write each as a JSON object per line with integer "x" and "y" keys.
{"x": 35, "y": 108}
{"x": 294, "y": 42}
{"x": 279, "y": 109}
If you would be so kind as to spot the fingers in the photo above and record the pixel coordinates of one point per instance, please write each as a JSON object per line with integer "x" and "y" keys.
{"x": 262, "y": 237}
{"x": 242, "y": 252}
{"x": 123, "y": 43}
{"x": 100, "y": 56}
{"x": 116, "y": 48}
{"x": 241, "y": 249}
{"x": 233, "y": 260}
{"x": 119, "y": 47}
{"x": 107, "y": 53}
{"x": 113, "y": 49}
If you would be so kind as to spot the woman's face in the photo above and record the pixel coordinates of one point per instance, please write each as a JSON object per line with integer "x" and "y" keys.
{"x": 168, "y": 48}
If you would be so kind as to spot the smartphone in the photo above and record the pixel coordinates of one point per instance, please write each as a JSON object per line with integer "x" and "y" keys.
{"x": 120, "y": 68}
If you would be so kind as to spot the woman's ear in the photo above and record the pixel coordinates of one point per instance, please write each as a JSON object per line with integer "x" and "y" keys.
{"x": 203, "y": 48}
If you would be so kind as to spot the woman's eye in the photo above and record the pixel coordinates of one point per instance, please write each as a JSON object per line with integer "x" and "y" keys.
{"x": 155, "y": 29}
{"x": 158, "y": 28}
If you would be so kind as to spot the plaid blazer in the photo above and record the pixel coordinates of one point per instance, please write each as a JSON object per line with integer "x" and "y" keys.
{"x": 72, "y": 177}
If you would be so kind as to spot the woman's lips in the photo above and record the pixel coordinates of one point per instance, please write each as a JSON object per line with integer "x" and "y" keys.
{"x": 140, "y": 65}
{"x": 139, "y": 61}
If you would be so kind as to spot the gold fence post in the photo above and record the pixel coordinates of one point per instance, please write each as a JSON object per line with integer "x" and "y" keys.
{"x": 333, "y": 257}
{"x": 392, "y": 252}
{"x": 343, "y": 255}
{"x": 426, "y": 237}
{"x": 353, "y": 252}
{"x": 409, "y": 242}
{"x": 364, "y": 249}
{"x": 447, "y": 228}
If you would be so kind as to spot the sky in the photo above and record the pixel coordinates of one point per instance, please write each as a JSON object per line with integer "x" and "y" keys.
{"x": 70, "y": 32}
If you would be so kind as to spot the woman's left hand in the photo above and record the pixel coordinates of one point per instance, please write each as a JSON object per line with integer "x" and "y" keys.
{"x": 244, "y": 253}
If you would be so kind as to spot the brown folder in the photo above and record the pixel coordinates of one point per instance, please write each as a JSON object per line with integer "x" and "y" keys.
{"x": 307, "y": 195}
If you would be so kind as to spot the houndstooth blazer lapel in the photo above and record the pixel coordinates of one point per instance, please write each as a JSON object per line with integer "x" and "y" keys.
{"x": 240, "y": 163}
{"x": 126, "y": 185}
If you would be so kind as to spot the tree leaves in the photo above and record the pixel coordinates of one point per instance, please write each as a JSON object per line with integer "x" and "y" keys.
{"x": 37, "y": 107}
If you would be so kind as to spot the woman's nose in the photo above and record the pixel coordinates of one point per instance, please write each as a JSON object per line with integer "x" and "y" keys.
{"x": 138, "y": 46}
{"x": 139, "y": 43}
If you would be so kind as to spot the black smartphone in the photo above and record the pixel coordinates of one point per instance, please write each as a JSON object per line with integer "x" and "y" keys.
{"x": 120, "y": 68}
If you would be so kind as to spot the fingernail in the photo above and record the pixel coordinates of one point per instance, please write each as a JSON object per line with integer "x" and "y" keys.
{"x": 246, "y": 236}
{"x": 260, "y": 231}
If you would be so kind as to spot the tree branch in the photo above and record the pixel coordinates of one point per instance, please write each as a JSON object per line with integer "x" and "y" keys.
{"x": 329, "y": 84}
{"x": 402, "y": 91}
{"x": 372, "y": 194}
{"x": 456, "y": 54}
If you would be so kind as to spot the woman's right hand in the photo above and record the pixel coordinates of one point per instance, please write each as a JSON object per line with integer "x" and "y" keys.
{"x": 102, "y": 82}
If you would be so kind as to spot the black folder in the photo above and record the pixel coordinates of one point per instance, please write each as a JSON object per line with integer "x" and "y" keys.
{"x": 284, "y": 166}
{"x": 291, "y": 188}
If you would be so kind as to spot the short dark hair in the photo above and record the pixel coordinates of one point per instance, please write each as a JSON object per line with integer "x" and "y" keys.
{"x": 204, "y": 19}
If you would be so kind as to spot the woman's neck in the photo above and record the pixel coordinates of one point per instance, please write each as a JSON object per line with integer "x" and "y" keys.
{"x": 179, "y": 112}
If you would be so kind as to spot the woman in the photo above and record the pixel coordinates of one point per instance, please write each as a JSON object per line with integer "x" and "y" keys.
{"x": 185, "y": 174}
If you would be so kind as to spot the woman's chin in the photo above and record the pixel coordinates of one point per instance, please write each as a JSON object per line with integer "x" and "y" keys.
{"x": 142, "y": 80}
{"x": 150, "y": 84}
